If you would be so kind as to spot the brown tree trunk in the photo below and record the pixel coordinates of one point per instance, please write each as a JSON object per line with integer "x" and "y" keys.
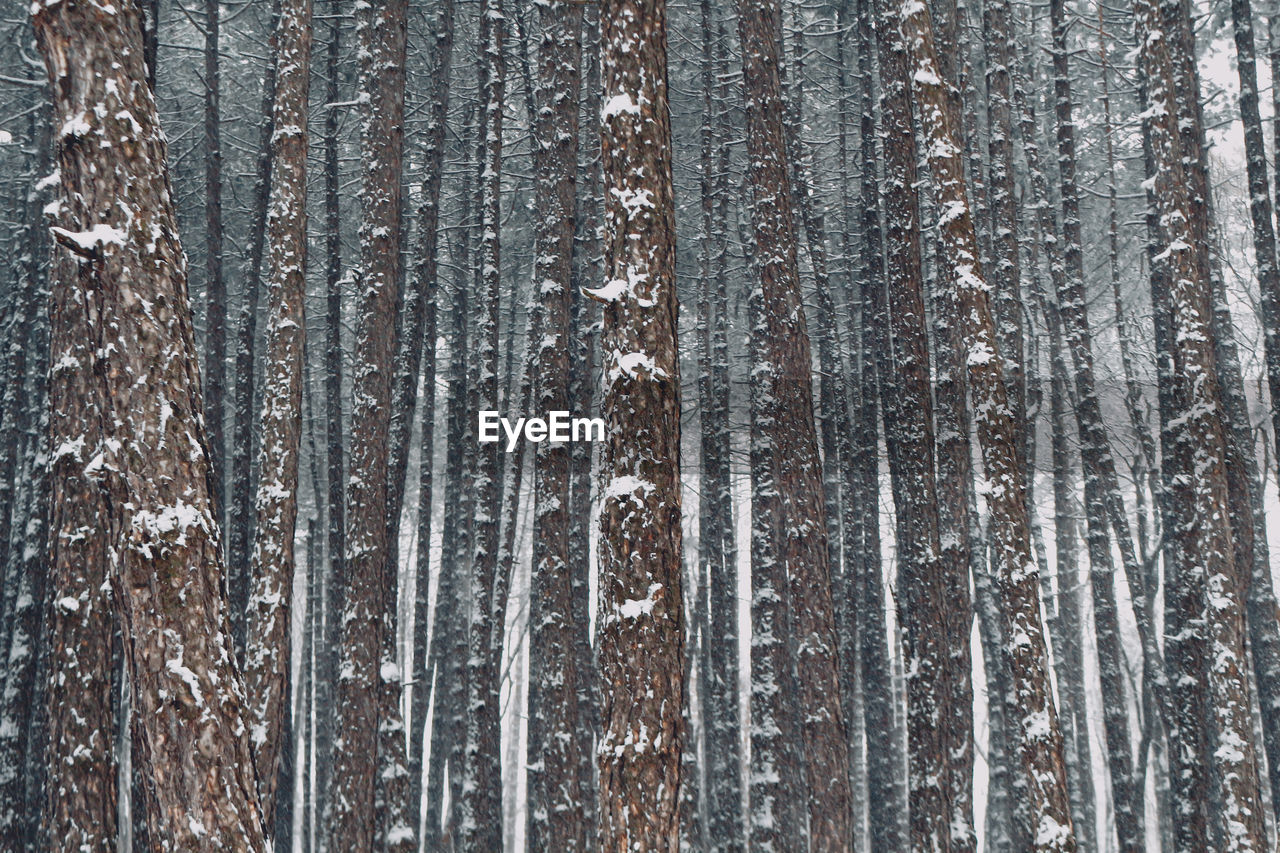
{"x": 1037, "y": 739}
{"x": 794, "y": 509}
{"x": 641, "y": 623}
{"x": 267, "y": 646}
{"x": 118, "y": 221}
{"x": 908, "y": 427}
{"x": 367, "y": 580}
{"x": 556, "y": 812}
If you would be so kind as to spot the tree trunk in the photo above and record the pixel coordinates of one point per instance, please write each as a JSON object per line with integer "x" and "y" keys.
{"x": 903, "y": 359}
{"x": 1038, "y": 741}
{"x": 555, "y": 804}
{"x": 481, "y": 818}
{"x": 794, "y": 509}
{"x": 640, "y": 629}
{"x": 161, "y": 531}
{"x": 427, "y": 272}
{"x": 1205, "y": 579}
{"x": 268, "y": 634}
{"x": 367, "y": 580}
{"x": 215, "y": 289}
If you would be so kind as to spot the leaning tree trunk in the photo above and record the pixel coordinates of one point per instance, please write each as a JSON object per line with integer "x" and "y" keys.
{"x": 160, "y": 531}
{"x": 903, "y": 361}
{"x": 641, "y": 624}
{"x": 268, "y": 643}
{"x": 782, "y": 408}
{"x": 366, "y": 575}
{"x": 1206, "y": 581}
{"x": 1037, "y": 740}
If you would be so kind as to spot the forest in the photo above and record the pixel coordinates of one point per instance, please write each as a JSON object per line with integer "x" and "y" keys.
{"x": 614, "y": 426}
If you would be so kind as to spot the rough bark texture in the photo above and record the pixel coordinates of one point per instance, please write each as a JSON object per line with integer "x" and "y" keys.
{"x": 426, "y": 272}
{"x": 556, "y": 819}
{"x": 366, "y": 575}
{"x": 909, "y": 437}
{"x": 1205, "y": 581}
{"x": 794, "y": 510}
{"x": 268, "y": 643}
{"x": 81, "y": 804}
{"x": 1264, "y": 634}
{"x": 117, "y": 218}
{"x": 640, "y": 630}
{"x": 481, "y": 816}
{"x": 215, "y": 288}
{"x": 1037, "y": 740}
{"x": 717, "y": 548}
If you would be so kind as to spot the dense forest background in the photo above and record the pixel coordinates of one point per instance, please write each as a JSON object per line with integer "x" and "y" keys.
{"x": 938, "y": 344}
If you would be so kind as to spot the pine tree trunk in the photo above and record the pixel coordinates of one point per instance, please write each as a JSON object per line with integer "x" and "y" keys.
{"x": 717, "y": 550}
{"x": 794, "y": 509}
{"x": 886, "y": 810}
{"x": 215, "y": 292}
{"x": 119, "y": 222}
{"x": 1037, "y": 740}
{"x": 367, "y": 580}
{"x": 427, "y": 272}
{"x": 239, "y": 504}
{"x": 82, "y": 803}
{"x": 268, "y": 634}
{"x": 481, "y": 816}
{"x": 640, "y": 630}
{"x": 1261, "y": 603}
{"x": 903, "y": 359}
{"x": 329, "y": 651}
{"x": 1205, "y": 576}
{"x": 555, "y": 804}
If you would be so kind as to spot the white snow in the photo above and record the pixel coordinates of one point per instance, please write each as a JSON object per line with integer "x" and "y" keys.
{"x": 619, "y": 105}
{"x": 634, "y": 608}
{"x": 99, "y": 235}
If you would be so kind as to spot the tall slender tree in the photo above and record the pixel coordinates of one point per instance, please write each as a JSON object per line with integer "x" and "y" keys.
{"x": 794, "y": 510}
{"x": 1038, "y": 739}
{"x": 268, "y": 647}
{"x": 556, "y": 815}
{"x": 640, "y": 632}
{"x": 367, "y": 578}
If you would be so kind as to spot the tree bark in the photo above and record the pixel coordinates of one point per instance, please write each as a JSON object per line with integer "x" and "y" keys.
{"x": 555, "y": 803}
{"x": 1038, "y": 740}
{"x": 368, "y": 581}
{"x": 161, "y": 533}
{"x": 640, "y": 633}
{"x": 794, "y": 509}
{"x": 268, "y": 634}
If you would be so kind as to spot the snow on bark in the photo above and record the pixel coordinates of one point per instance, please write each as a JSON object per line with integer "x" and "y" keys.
{"x": 426, "y": 273}
{"x": 640, "y": 628}
{"x": 1204, "y": 611}
{"x": 1037, "y": 740}
{"x": 161, "y": 536}
{"x": 480, "y": 823}
{"x": 903, "y": 361}
{"x": 363, "y": 794}
{"x": 794, "y": 509}
{"x": 267, "y": 635}
{"x": 556, "y": 820}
